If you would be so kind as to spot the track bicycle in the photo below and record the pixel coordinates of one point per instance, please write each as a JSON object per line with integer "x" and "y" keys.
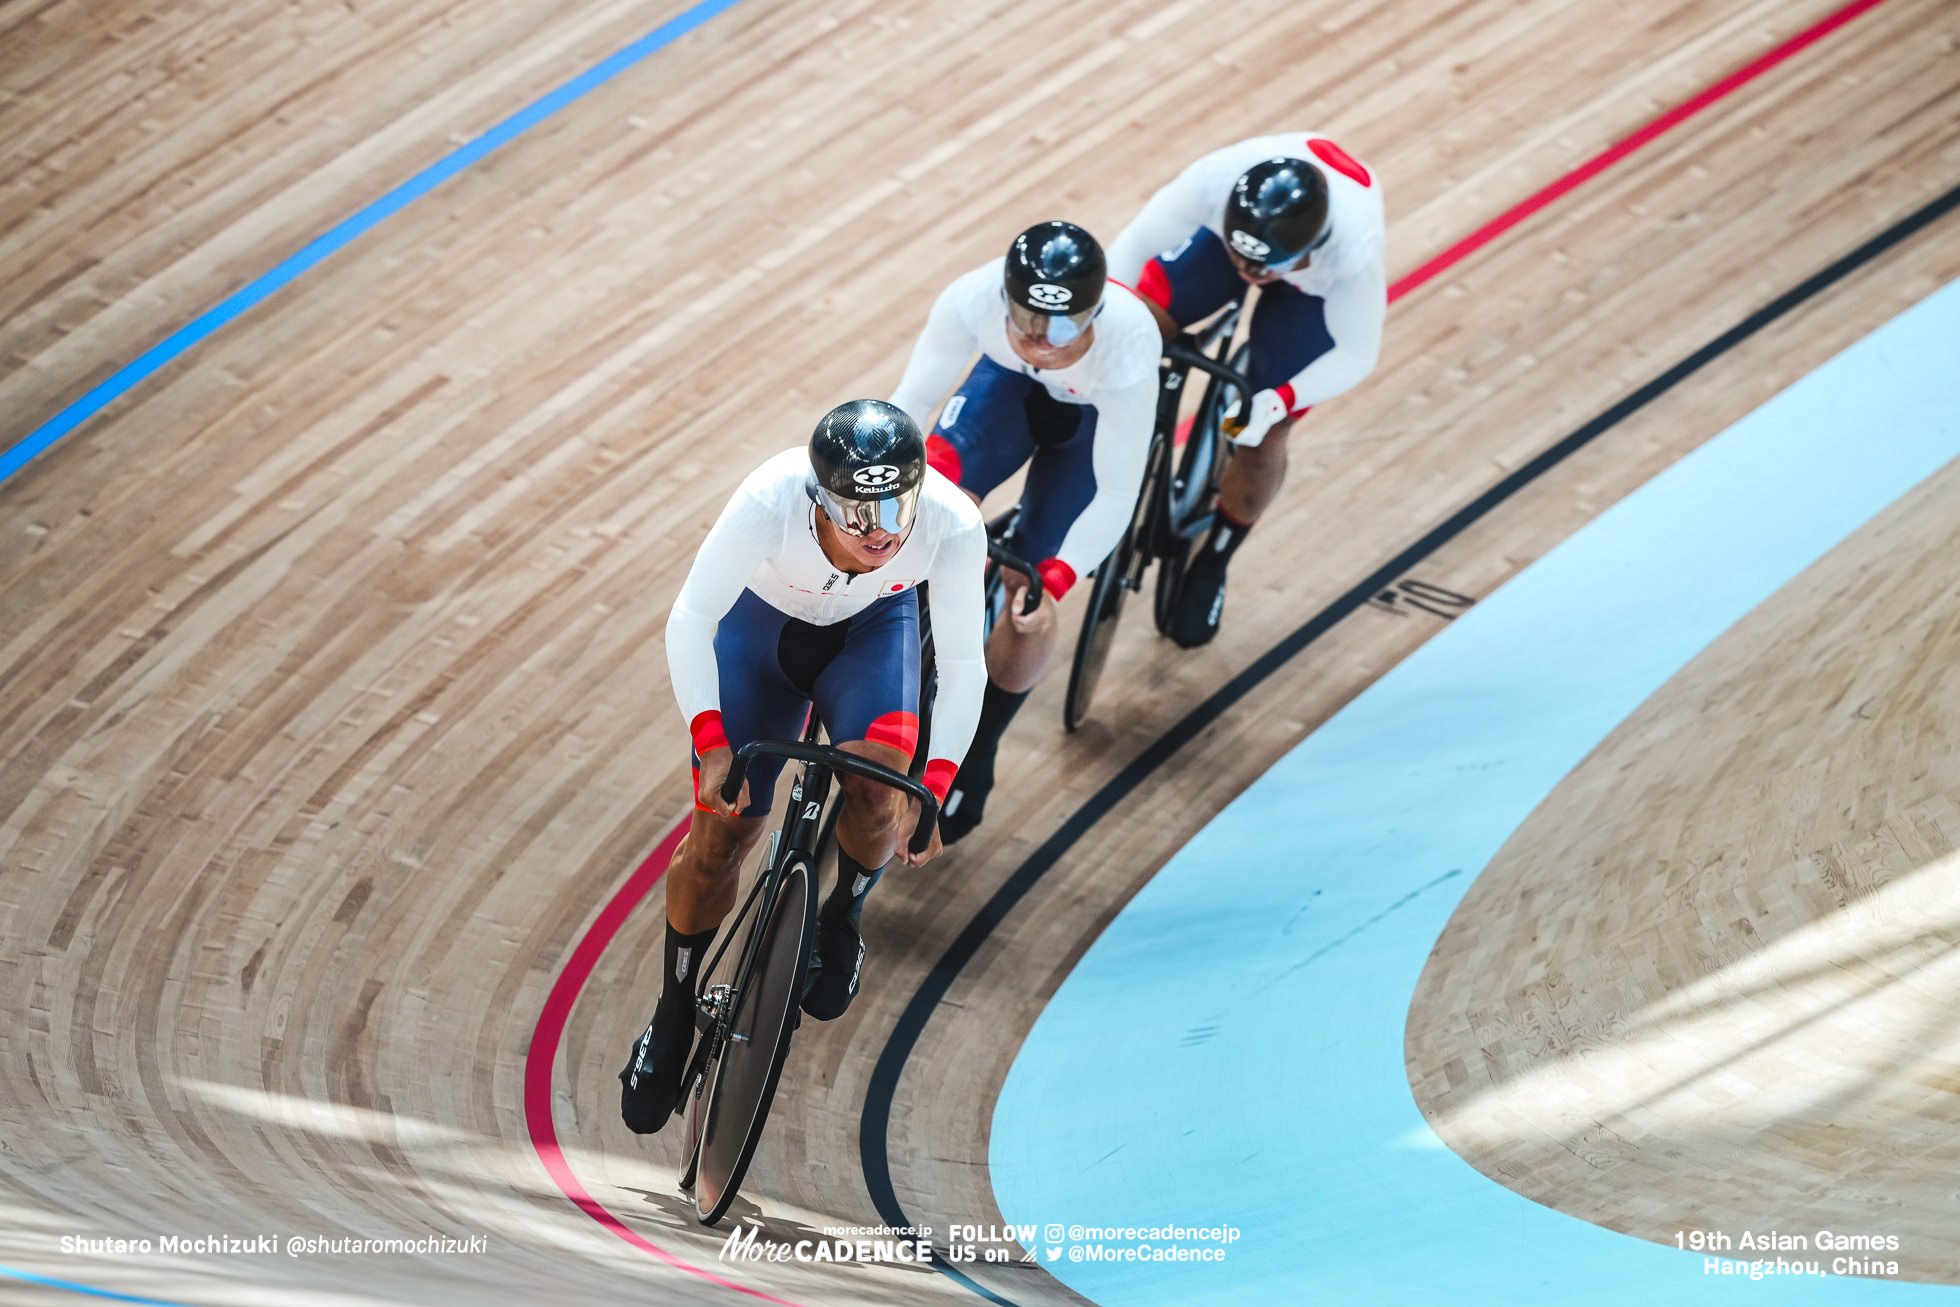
{"x": 1176, "y": 503}
{"x": 744, "y": 1019}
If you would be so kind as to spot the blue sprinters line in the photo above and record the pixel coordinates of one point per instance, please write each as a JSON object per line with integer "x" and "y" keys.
{"x": 72, "y": 1287}
{"x": 294, "y": 266}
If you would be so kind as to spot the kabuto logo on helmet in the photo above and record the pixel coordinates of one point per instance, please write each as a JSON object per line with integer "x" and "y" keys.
{"x": 876, "y": 477}
{"x": 1249, "y": 245}
{"x": 1049, "y": 295}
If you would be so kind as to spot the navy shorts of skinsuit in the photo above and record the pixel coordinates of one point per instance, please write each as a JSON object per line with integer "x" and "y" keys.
{"x": 998, "y": 420}
{"x": 1195, "y": 280}
{"x": 862, "y": 674}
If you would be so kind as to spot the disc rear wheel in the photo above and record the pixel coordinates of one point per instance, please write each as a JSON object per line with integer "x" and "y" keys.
{"x": 741, "y": 1075}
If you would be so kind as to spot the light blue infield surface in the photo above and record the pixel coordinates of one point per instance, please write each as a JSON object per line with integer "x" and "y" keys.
{"x": 1229, "y": 1052}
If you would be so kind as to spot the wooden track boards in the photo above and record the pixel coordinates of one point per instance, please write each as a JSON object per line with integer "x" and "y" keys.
{"x": 335, "y": 697}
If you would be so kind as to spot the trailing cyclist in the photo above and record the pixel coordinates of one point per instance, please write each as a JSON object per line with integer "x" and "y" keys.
{"x": 804, "y": 592}
{"x": 1298, "y": 217}
{"x": 1066, "y": 383}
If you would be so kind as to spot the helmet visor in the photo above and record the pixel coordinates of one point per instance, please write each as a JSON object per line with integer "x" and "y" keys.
{"x": 860, "y": 517}
{"x": 1049, "y": 328}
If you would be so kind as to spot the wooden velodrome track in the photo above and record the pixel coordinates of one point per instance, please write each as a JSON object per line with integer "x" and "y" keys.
{"x": 335, "y": 706}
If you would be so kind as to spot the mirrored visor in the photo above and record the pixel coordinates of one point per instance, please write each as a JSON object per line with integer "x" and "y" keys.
{"x": 1049, "y": 328}
{"x": 860, "y": 517}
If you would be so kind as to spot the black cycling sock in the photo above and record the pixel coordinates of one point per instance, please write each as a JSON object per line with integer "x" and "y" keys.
{"x": 1227, "y": 534}
{"x": 681, "y": 974}
{"x": 854, "y": 881}
{"x": 997, "y": 709}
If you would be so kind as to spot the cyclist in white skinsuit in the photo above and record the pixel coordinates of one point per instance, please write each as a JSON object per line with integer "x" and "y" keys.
{"x": 1066, "y": 384}
{"x": 1301, "y": 218}
{"x": 805, "y": 592}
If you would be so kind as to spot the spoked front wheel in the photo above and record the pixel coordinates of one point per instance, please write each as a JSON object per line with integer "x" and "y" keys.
{"x": 740, "y": 1076}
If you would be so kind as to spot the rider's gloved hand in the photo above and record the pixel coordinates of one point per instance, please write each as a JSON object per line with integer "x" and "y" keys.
{"x": 1247, "y": 424}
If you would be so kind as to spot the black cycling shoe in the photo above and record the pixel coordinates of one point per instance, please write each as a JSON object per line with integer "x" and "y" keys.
{"x": 1195, "y": 619}
{"x": 650, "y": 1086}
{"x": 840, "y": 959}
{"x": 966, "y": 804}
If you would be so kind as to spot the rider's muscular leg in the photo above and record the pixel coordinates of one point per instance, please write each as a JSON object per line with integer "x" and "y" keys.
{"x": 702, "y": 880}
{"x": 869, "y": 832}
{"x": 1251, "y": 482}
{"x": 700, "y": 891}
{"x": 1022, "y": 647}
{"x": 1018, "y": 652}
{"x": 873, "y": 823}
{"x": 1254, "y": 476}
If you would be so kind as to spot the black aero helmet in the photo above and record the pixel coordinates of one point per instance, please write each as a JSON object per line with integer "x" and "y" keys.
{"x": 1054, "y": 281}
{"x": 1277, "y": 212}
{"x": 867, "y": 462}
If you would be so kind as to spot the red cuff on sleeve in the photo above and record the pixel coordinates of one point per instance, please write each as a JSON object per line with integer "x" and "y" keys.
{"x": 942, "y": 458}
{"x": 1056, "y": 577}
{"x": 900, "y": 730}
{"x": 707, "y": 732}
{"x": 939, "y": 777}
{"x": 1155, "y": 286}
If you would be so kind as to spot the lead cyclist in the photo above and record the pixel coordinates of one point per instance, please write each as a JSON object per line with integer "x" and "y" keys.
{"x": 1299, "y": 217}
{"x": 805, "y": 592}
